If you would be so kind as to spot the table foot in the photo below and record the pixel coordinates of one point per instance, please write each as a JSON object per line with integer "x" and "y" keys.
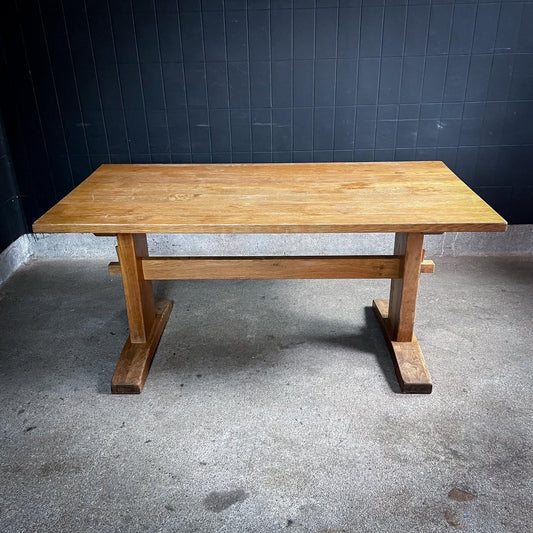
{"x": 136, "y": 357}
{"x": 409, "y": 364}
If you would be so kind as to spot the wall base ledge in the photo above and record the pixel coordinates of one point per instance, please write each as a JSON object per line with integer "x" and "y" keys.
{"x": 517, "y": 241}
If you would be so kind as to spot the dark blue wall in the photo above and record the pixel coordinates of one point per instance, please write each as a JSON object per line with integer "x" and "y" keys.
{"x": 12, "y": 221}
{"x": 213, "y": 81}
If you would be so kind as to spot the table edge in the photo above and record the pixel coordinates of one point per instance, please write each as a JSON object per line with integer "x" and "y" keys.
{"x": 43, "y": 227}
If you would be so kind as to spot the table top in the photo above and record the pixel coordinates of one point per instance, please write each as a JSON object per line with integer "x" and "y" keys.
{"x": 421, "y": 196}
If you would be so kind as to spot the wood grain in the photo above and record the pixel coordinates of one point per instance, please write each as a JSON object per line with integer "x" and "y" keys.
{"x": 135, "y": 360}
{"x": 273, "y": 268}
{"x": 272, "y": 198}
{"x": 403, "y": 291}
{"x": 409, "y": 363}
{"x": 138, "y": 294}
{"x": 323, "y": 267}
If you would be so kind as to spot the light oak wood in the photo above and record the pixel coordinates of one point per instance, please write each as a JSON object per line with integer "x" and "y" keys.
{"x": 409, "y": 364}
{"x": 273, "y": 268}
{"x": 403, "y": 291}
{"x": 135, "y": 360}
{"x": 138, "y": 294}
{"x": 407, "y": 198}
{"x": 427, "y": 266}
{"x": 272, "y": 198}
{"x": 323, "y": 267}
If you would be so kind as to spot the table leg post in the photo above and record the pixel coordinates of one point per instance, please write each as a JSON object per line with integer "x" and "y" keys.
{"x": 146, "y": 319}
{"x": 397, "y": 317}
{"x": 403, "y": 291}
{"x": 137, "y": 291}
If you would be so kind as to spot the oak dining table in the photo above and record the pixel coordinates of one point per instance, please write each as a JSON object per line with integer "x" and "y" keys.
{"x": 409, "y": 199}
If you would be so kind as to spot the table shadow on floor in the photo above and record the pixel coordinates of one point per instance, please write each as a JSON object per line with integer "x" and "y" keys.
{"x": 206, "y": 349}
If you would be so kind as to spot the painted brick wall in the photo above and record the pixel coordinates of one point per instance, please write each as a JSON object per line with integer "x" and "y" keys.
{"x": 121, "y": 81}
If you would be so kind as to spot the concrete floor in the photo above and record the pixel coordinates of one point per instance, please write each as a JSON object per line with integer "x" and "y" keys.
{"x": 270, "y": 406}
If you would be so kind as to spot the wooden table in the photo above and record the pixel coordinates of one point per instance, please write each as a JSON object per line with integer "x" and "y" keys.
{"x": 406, "y": 198}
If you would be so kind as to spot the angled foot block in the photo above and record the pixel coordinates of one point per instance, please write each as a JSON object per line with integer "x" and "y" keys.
{"x": 136, "y": 357}
{"x": 409, "y": 363}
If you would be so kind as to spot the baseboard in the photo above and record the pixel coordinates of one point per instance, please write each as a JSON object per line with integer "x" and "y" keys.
{"x": 15, "y": 255}
{"x": 517, "y": 240}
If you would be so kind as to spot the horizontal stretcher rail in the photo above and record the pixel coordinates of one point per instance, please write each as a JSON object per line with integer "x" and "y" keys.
{"x": 293, "y": 267}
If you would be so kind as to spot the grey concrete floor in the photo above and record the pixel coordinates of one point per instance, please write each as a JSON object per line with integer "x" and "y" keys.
{"x": 270, "y": 406}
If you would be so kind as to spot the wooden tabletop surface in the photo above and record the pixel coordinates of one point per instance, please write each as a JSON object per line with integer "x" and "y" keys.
{"x": 271, "y": 198}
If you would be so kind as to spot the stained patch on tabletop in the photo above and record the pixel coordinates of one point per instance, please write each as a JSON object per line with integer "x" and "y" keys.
{"x": 218, "y": 501}
{"x": 459, "y": 495}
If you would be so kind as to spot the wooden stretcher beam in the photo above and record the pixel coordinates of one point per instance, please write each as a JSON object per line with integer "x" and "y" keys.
{"x": 296, "y": 267}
